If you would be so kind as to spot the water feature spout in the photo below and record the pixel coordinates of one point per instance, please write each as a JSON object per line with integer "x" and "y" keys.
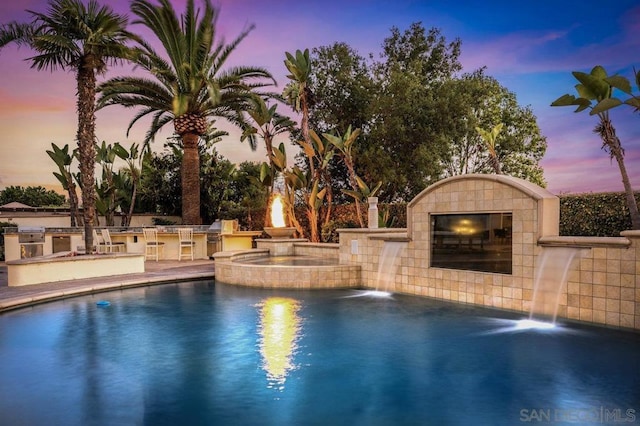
{"x": 550, "y": 279}
{"x": 388, "y": 264}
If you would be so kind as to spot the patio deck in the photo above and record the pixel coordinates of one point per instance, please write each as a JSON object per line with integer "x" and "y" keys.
{"x": 155, "y": 273}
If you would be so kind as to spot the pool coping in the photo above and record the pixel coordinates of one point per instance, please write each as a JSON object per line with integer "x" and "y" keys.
{"x": 160, "y": 272}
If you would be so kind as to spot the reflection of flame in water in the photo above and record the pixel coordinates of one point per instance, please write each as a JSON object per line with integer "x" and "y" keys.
{"x": 277, "y": 212}
{"x": 279, "y": 333}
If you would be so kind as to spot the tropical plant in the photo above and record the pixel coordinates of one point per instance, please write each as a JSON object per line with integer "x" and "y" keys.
{"x": 189, "y": 87}
{"x": 83, "y": 38}
{"x": 489, "y": 137}
{"x": 291, "y": 185}
{"x": 268, "y": 124}
{"x": 345, "y": 145}
{"x": 320, "y": 153}
{"x": 129, "y": 180}
{"x": 595, "y": 91}
{"x": 315, "y": 181}
{"x": 107, "y": 186}
{"x": 63, "y": 160}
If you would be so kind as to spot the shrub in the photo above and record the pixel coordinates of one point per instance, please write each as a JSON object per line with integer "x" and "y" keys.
{"x": 596, "y": 214}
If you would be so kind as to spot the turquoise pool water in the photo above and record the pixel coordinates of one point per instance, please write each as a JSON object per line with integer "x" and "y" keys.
{"x": 205, "y": 354}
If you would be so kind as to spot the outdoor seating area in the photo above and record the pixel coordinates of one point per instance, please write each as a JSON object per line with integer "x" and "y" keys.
{"x": 156, "y": 243}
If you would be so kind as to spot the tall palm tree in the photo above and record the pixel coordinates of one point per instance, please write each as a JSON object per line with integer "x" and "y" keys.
{"x": 186, "y": 88}
{"x": 85, "y": 38}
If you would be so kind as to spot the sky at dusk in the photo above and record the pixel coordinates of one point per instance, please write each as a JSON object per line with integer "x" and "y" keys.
{"x": 530, "y": 47}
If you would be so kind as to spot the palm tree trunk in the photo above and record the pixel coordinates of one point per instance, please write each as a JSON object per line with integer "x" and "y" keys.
{"x": 190, "y": 176}
{"x": 86, "y": 147}
{"x": 608, "y": 134}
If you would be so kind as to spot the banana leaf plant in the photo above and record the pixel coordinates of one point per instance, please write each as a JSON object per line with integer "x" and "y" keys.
{"x": 63, "y": 160}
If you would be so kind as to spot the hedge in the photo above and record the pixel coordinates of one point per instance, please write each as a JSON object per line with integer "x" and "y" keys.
{"x": 596, "y": 214}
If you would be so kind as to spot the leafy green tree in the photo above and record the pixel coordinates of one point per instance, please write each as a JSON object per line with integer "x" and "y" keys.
{"x": 403, "y": 150}
{"x": 595, "y": 91}
{"x": 34, "y": 196}
{"x": 65, "y": 176}
{"x": 160, "y": 190}
{"x": 417, "y": 116}
{"x": 344, "y": 92}
{"x": 478, "y": 101}
{"x": 83, "y": 38}
{"x": 242, "y": 196}
{"x": 343, "y": 89}
{"x": 189, "y": 87}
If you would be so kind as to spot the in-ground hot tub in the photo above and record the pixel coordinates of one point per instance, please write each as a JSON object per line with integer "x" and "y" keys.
{"x": 256, "y": 268}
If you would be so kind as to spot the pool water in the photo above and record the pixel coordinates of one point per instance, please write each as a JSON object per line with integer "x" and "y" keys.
{"x": 201, "y": 353}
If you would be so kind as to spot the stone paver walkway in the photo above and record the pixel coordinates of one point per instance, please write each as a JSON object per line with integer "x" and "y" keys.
{"x": 155, "y": 273}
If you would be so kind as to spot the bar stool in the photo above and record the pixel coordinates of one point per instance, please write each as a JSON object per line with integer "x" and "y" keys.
{"x": 186, "y": 247}
{"x": 151, "y": 244}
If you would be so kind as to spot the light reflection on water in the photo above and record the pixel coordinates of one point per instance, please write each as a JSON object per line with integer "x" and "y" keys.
{"x": 279, "y": 330}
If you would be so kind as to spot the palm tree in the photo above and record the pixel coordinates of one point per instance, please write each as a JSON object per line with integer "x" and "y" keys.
{"x": 597, "y": 88}
{"x": 188, "y": 87}
{"x": 297, "y": 92}
{"x": 83, "y": 38}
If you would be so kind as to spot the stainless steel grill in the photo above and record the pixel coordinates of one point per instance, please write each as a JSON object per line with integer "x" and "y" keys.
{"x": 31, "y": 240}
{"x": 214, "y": 243}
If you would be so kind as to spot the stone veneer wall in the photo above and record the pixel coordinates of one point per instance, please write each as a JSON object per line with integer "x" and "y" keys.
{"x": 603, "y": 283}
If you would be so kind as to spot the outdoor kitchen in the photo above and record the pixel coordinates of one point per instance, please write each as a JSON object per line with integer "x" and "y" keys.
{"x": 27, "y": 242}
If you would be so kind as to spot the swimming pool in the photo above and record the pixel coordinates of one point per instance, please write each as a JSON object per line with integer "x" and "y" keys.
{"x": 204, "y": 353}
